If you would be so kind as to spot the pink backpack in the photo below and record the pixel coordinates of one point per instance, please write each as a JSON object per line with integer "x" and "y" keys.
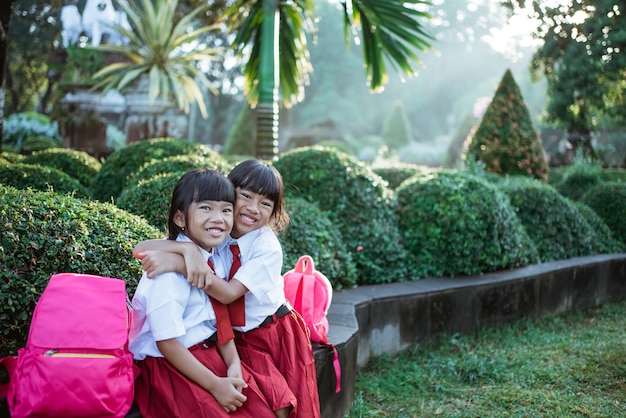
{"x": 76, "y": 361}
{"x": 310, "y": 293}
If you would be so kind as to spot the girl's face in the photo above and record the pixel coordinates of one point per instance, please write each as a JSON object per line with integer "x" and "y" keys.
{"x": 252, "y": 211}
{"x": 208, "y": 222}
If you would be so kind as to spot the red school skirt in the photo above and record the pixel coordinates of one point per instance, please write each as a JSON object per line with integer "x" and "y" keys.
{"x": 161, "y": 391}
{"x": 288, "y": 344}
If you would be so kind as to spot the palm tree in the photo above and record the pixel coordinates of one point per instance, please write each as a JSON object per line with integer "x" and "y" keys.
{"x": 161, "y": 50}
{"x": 388, "y": 31}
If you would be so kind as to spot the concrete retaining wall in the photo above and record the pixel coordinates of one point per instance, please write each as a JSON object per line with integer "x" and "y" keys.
{"x": 368, "y": 321}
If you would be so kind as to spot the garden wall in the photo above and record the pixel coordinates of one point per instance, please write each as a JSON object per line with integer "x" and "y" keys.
{"x": 368, "y": 321}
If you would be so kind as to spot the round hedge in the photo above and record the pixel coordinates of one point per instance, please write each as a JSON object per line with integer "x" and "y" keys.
{"x": 77, "y": 164}
{"x": 456, "y": 223}
{"x": 574, "y": 185}
{"x": 150, "y": 199}
{"x": 47, "y": 233}
{"x": 395, "y": 175}
{"x": 311, "y": 232}
{"x": 605, "y": 241}
{"x": 12, "y": 157}
{"x": 24, "y": 176}
{"x": 559, "y": 230}
{"x": 358, "y": 202}
{"x": 119, "y": 166}
{"x": 179, "y": 163}
{"x": 608, "y": 200}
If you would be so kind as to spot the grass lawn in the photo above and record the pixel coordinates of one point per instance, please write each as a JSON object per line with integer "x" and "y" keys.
{"x": 570, "y": 365}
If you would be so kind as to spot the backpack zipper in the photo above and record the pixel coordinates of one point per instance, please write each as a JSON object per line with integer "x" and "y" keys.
{"x": 55, "y": 353}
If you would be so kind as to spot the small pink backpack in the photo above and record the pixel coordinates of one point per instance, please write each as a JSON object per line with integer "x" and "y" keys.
{"x": 76, "y": 361}
{"x": 310, "y": 293}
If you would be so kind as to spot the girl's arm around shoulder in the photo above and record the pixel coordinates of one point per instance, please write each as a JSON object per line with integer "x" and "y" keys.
{"x": 224, "y": 389}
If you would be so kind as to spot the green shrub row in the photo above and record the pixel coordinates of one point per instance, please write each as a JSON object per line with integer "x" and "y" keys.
{"x": 345, "y": 215}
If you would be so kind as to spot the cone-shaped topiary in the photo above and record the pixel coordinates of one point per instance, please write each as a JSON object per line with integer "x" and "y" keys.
{"x": 506, "y": 140}
{"x": 396, "y": 130}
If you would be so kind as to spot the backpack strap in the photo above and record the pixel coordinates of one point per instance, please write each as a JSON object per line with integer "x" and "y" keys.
{"x": 9, "y": 363}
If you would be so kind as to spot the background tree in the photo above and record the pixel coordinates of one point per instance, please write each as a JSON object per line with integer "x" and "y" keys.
{"x": 396, "y": 130}
{"x": 5, "y": 18}
{"x": 583, "y": 60}
{"x": 389, "y": 32}
{"x": 506, "y": 140}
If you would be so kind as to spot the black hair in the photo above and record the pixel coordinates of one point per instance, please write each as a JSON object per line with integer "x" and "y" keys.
{"x": 196, "y": 186}
{"x": 264, "y": 179}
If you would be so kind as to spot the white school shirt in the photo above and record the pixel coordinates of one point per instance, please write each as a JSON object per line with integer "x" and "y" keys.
{"x": 260, "y": 271}
{"x": 165, "y": 307}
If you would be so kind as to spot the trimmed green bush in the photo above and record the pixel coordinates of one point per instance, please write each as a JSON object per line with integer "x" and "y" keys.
{"x": 359, "y": 204}
{"x": 608, "y": 200}
{"x": 38, "y": 143}
{"x": 459, "y": 224}
{"x": 77, "y": 164}
{"x": 150, "y": 199}
{"x": 580, "y": 177}
{"x": 613, "y": 175}
{"x": 13, "y": 157}
{"x": 506, "y": 140}
{"x": 311, "y": 232}
{"x": 47, "y": 233}
{"x": 605, "y": 243}
{"x": 24, "y": 176}
{"x": 177, "y": 164}
{"x": 119, "y": 166}
{"x": 397, "y": 173}
{"x": 559, "y": 230}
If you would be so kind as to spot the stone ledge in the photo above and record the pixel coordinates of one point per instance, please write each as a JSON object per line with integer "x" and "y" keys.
{"x": 368, "y": 321}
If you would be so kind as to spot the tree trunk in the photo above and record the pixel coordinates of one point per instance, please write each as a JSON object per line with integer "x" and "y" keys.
{"x": 267, "y": 109}
{"x": 5, "y": 17}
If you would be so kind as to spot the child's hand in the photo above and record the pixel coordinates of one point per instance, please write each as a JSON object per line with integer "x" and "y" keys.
{"x": 226, "y": 393}
{"x": 158, "y": 262}
{"x": 234, "y": 370}
{"x": 199, "y": 273}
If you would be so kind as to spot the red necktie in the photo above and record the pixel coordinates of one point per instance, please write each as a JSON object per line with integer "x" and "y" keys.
{"x": 237, "y": 309}
{"x": 224, "y": 328}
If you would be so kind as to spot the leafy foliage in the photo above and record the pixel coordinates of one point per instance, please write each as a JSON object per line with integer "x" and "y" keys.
{"x": 395, "y": 174}
{"x": 178, "y": 164}
{"x": 582, "y": 175}
{"x": 358, "y": 202}
{"x": 20, "y": 126}
{"x": 240, "y": 140}
{"x": 46, "y": 233}
{"x": 27, "y": 176}
{"x": 608, "y": 200}
{"x": 505, "y": 139}
{"x": 582, "y": 58}
{"x": 77, "y": 164}
{"x": 150, "y": 198}
{"x": 159, "y": 48}
{"x": 311, "y": 232}
{"x": 605, "y": 243}
{"x": 117, "y": 169}
{"x": 556, "y": 225}
{"x": 455, "y": 224}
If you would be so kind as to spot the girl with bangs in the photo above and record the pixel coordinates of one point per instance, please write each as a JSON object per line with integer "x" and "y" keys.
{"x": 268, "y": 327}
